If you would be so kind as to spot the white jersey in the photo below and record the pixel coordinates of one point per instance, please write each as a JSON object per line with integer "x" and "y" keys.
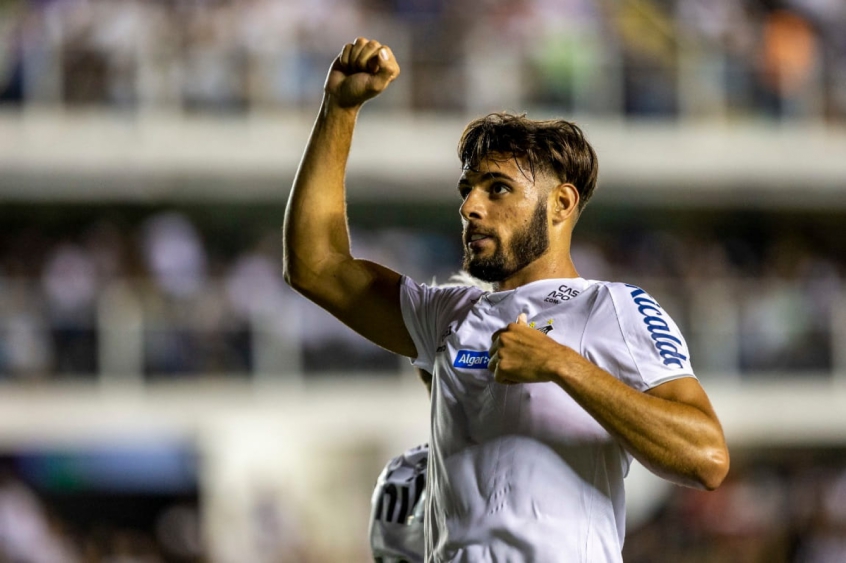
{"x": 522, "y": 472}
{"x": 397, "y": 509}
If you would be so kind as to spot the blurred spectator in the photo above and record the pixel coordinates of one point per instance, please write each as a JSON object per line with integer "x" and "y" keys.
{"x": 11, "y": 53}
{"x": 269, "y": 32}
{"x": 649, "y": 59}
{"x": 266, "y": 307}
{"x": 26, "y": 532}
{"x": 105, "y": 48}
{"x": 70, "y": 285}
{"x": 213, "y": 59}
{"x": 25, "y": 350}
{"x": 566, "y": 58}
{"x": 719, "y": 41}
{"x": 176, "y": 258}
{"x": 788, "y": 64}
{"x": 175, "y": 254}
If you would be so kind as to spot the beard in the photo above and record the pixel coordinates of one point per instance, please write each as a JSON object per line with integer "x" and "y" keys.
{"x": 526, "y": 246}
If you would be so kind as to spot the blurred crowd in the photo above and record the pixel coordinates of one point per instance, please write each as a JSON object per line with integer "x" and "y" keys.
{"x": 711, "y": 58}
{"x": 775, "y": 507}
{"x": 156, "y": 299}
{"x": 172, "y": 294}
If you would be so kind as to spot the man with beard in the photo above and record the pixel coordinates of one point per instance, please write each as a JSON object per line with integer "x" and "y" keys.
{"x": 543, "y": 389}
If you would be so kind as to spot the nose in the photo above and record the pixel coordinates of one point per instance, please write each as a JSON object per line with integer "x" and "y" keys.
{"x": 473, "y": 206}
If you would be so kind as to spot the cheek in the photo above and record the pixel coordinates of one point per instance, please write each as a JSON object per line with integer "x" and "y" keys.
{"x": 511, "y": 223}
{"x": 519, "y": 219}
{"x": 515, "y": 219}
{"x": 519, "y": 214}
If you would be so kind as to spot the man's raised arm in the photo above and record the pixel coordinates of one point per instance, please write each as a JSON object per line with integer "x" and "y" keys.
{"x": 317, "y": 259}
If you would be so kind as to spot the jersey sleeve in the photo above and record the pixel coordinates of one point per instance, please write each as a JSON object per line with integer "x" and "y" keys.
{"x": 630, "y": 335}
{"x": 428, "y": 311}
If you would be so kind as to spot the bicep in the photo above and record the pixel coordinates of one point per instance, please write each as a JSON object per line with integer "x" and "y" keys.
{"x": 365, "y": 296}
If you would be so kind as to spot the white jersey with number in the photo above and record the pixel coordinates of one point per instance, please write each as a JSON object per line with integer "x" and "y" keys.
{"x": 521, "y": 472}
{"x": 397, "y": 509}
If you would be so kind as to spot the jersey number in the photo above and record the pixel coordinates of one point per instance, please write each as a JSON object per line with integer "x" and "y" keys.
{"x": 391, "y": 493}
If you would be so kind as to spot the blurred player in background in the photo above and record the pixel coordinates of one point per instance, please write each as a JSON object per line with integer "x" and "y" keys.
{"x": 397, "y": 506}
{"x": 543, "y": 389}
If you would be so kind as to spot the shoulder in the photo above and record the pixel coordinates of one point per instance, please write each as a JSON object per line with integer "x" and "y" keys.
{"x": 450, "y": 296}
{"x": 416, "y": 457}
{"x": 452, "y": 288}
{"x": 411, "y": 462}
{"x": 643, "y": 324}
{"x": 625, "y": 298}
{"x": 628, "y": 303}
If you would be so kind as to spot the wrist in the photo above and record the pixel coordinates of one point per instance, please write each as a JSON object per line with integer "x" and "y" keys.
{"x": 333, "y": 108}
{"x": 563, "y": 366}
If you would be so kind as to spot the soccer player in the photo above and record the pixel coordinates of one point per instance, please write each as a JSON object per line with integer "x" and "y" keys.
{"x": 397, "y": 507}
{"x": 542, "y": 389}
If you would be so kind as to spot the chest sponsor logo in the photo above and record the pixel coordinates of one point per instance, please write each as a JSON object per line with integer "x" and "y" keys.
{"x": 667, "y": 344}
{"x": 563, "y": 293}
{"x": 471, "y": 359}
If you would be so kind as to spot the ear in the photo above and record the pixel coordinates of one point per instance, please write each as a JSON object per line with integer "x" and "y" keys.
{"x": 563, "y": 203}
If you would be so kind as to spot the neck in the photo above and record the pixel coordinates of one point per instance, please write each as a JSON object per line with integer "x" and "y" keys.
{"x": 549, "y": 266}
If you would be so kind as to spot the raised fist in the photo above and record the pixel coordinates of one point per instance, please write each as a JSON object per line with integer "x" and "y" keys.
{"x": 362, "y": 71}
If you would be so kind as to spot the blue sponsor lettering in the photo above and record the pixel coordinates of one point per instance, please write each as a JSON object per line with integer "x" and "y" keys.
{"x": 666, "y": 344}
{"x": 644, "y": 305}
{"x": 471, "y": 359}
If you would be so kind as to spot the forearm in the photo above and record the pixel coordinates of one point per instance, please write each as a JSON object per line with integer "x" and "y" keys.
{"x": 677, "y": 440}
{"x": 315, "y": 229}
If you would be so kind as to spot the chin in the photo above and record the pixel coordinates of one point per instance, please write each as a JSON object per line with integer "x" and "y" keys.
{"x": 486, "y": 271}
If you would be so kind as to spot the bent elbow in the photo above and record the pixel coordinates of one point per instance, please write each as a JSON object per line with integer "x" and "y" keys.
{"x": 297, "y": 281}
{"x": 293, "y": 273}
{"x": 715, "y": 468}
{"x": 288, "y": 276}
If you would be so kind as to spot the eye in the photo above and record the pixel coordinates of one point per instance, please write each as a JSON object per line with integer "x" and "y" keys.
{"x": 464, "y": 191}
{"x": 499, "y": 189}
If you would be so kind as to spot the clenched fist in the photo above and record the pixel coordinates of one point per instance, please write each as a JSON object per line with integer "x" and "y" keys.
{"x": 521, "y": 354}
{"x": 362, "y": 71}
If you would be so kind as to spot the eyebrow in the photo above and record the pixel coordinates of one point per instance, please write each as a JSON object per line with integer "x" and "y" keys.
{"x": 486, "y": 176}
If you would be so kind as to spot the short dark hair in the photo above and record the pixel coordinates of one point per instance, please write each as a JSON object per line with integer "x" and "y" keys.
{"x": 555, "y": 146}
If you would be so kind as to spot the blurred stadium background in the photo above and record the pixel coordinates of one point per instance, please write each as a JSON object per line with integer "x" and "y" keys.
{"x": 165, "y": 398}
